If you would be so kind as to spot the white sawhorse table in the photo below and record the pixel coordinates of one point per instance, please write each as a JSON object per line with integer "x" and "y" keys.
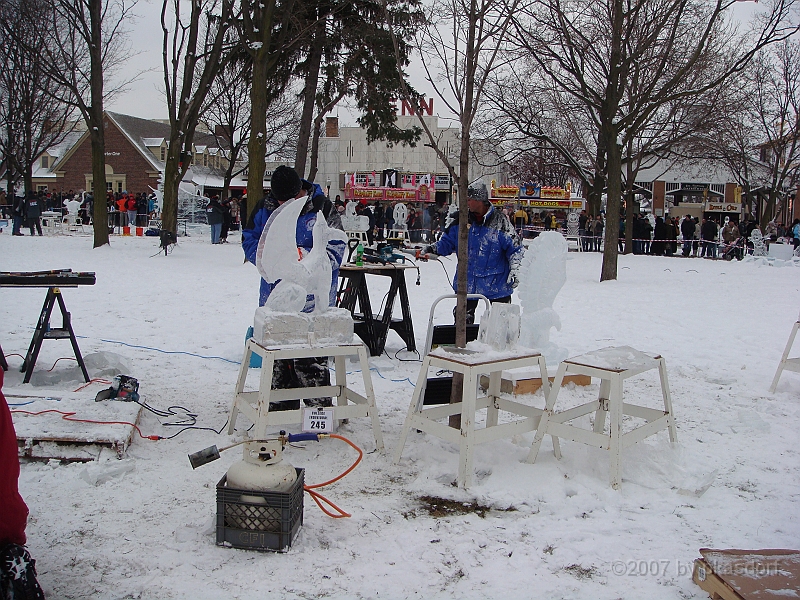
{"x": 255, "y": 404}
{"x": 612, "y": 366}
{"x": 472, "y": 365}
{"x": 787, "y": 364}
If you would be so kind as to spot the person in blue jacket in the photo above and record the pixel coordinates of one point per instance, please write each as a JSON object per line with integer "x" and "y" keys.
{"x": 494, "y": 251}
{"x": 285, "y": 185}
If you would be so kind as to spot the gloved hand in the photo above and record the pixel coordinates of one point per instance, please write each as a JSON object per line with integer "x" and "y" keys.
{"x": 513, "y": 278}
{"x": 423, "y": 254}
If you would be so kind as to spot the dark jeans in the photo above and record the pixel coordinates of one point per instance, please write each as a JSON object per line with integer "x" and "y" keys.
{"x": 300, "y": 372}
{"x": 35, "y": 222}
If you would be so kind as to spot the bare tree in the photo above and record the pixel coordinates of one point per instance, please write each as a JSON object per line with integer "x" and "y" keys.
{"x": 34, "y": 115}
{"x": 228, "y": 116}
{"x": 87, "y": 43}
{"x": 595, "y": 50}
{"x": 544, "y": 119}
{"x": 195, "y": 48}
{"x": 270, "y": 32}
{"x": 775, "y": 106}
{"x": 462, "y": 43}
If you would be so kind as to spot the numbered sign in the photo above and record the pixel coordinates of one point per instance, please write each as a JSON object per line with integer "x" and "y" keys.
{"x": 318, "y": 420}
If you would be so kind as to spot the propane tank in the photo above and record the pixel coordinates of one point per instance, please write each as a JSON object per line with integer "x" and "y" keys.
{"x": 262, "y": 469}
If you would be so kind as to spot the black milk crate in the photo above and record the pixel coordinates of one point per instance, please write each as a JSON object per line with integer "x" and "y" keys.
{"x": 243, "y": 521}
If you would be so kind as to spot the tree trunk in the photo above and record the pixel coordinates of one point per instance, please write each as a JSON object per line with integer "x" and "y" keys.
{"x": 309, "y": 98}
{"x": 96, "y": 123}
{"x": 100, "y": 208}
{"x": 172, "y": 177}
{"x": 463, "y": 210}
{"x": 256, "y": 146}
{"x": 609, "y": 133}
{"x": 610, "y": 252}
{"x": 313, "y": 167}
{"x": 595, "y": 200}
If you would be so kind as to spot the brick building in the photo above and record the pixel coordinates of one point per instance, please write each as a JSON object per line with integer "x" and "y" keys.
{"x": 135, "y": 153}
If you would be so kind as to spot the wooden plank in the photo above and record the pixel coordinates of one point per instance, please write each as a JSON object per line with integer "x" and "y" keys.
{"x": 704, "y": 577}
{"x": 47, "y": 435}
{"x": 533, "y": 384}
{"x": 754, "y": 574}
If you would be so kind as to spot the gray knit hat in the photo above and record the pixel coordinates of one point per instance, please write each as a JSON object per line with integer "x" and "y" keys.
{"x": 478, "y": 191}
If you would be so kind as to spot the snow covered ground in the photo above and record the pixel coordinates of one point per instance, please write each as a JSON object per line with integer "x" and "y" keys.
{"x": 143, "y": 527}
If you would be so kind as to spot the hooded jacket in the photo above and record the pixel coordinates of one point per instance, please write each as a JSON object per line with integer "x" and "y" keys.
{"x": 494, "y": 250}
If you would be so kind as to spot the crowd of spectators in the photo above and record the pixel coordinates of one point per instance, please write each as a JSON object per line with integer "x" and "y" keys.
{"x": 425, "y": 221}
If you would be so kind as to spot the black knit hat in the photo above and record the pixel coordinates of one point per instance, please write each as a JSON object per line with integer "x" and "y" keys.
{"x": 285, "y": 183}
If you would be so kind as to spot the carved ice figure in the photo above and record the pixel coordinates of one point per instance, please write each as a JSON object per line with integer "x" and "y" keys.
{"x": 759, "y": 246}
{"x": 353, "y": 222}
{"x": 573, "y": 224}
{"x": 400, "y": 215}
{"x": 500, "y": 329}
{"x": 277, "y": 259}
{"x": 73, "y": 207}
{"x": 542, "y": 275}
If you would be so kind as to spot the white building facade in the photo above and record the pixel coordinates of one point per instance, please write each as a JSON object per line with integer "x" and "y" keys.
{"x": 344, "y": 151}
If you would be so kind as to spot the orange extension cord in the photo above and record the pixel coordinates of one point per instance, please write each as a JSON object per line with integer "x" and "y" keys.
{"x": 68, "y": 416}
{"x": 319, "y": 498}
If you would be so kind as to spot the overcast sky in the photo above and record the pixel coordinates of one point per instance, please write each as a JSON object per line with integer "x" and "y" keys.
{"x": 145, "y": 97}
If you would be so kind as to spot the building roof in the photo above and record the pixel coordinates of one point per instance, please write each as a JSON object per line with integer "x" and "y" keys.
{"x": 57, "y": 152}
{"x": 142, "y": 132}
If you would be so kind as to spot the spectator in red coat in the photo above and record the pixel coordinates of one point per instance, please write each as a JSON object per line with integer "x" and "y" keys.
{"x": 17, "y": 568}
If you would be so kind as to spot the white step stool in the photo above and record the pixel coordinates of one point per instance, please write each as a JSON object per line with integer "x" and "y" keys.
{"x": 788, "y": 364}
{"x": 472, "y": 365}
{"x": 612, "y": 366}
{"x": 255, "y": 405}
{"x": 398, "y": 234}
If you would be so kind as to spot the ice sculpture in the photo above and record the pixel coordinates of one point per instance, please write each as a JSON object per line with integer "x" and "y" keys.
{"x": 542, "y": 275}
{"x": 500, "y": 328}
{"x": 277, "y": 260}
{"x": 400, "y": 215}
{"x": 299, "y": 274}
{"x": 353, "y": 222}
{"x": 573, "y": 224}
{"x": 759, "y": 245}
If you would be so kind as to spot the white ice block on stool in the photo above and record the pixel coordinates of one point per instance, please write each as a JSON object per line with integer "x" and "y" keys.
{"x": 335, "y": 325}
{"x": 501, "y": 329}
{"x": 271, "y": 327}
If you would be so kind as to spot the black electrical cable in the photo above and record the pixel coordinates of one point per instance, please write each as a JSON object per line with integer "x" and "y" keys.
{"x": 449, "y": 280}
{"x": 189, "y": 422}
{"x": 405, "y": 349}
